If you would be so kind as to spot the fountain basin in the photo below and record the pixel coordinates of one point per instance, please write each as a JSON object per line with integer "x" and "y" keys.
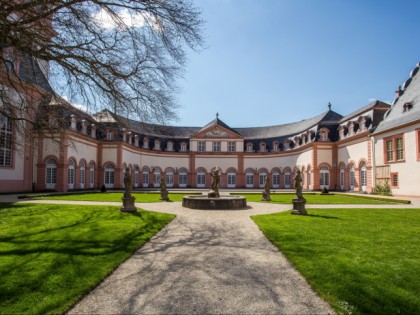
{"x": 208, "y": 203}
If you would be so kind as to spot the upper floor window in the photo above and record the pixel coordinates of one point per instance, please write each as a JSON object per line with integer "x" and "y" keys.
{"x": 145, "y": 143}
{"x": 249, "y": 147}
{"x": 5, "y": 141}
{"x": 170, "y": 146}
{"x": 323, "y": 136}
{"x": 216, "y": 146}
{"x": 201, "y": 146}
{"x": 394, "y": 149}
{"x": 109, "y": 135}
{"x": 183, "y": 147}
{"x": 262, "y": 147}
{"x": 157, "y": 145}
{"x": 231, "y": 146}
{"x": 275, "y": 146}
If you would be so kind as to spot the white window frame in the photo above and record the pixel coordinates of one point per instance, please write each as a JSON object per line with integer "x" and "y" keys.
{"x": 231, "y": 179}
{"x": 136, "y": 177}
{"x": 91, "y": 175}
{"x": 342, "y": 178}
{"x": 6, "y": 134}
{"x": 201, "y": 146}
{"x": 51, "y": 174}
{"x": 363, "y": 176}
{"x": 109, "y": 176}
{"x": 262, "y": 176}
{"x": 249, "y": 180}
{"x": 145, "y": 179}
{"x": 71, "y": 174}
{"x": 156, "y": 179}
{"x": 182, "y": 179}
{"x": 201, "y": 179}
{"x": 217, "y": 146}
{"x": 352, "y": 177}
{"x": 276, "y": 180}
{"x": 232, "y": 146}
{"x": 324, "y": 177}
{"x": 287, "y": 179}
{"x": 82, "y": 174}
{"x": 169, "y": 178}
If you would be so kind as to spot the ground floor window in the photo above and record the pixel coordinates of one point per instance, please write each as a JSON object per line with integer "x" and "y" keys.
{"x": 363, "y": 176}
{"x": 82, "y": 173}
{"x": 352, "y": 178}
{"x": 6, "y": 133}
{"x": 182, "y": 179}
{"x": 136, "y": 177}
{"x": 169, "y": 179}
{"x": 276, "y": 180}
{"x": 249, "y": 180}
{"x": 91, "y": 174}
{"x": 342, "y": 178}
{"x": 263, "y": 176}
{"x": 71, "y": 174}
{"x": 287, "y": 179}
{"x": 109, "y": 176}
{"x": 231, "y": 179}
{"x": 145, "y": 179}
{"x": 324, "y": 177}
{"x": 201, "y": 179}
{"x": 51, "y": 174}
{"x": 156, "y": 179}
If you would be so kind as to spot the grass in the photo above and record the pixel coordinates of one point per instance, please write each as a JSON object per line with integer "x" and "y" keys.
{"x": 52, "y": 255}
{"x": 361, "y": 261}
{"x": 315, "y": 199}
{"x": 113, "y": 196}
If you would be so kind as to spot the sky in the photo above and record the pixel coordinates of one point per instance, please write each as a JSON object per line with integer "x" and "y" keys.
{"x": 271, "y": 62}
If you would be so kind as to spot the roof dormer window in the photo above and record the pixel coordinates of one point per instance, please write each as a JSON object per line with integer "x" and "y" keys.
{"x": 407, "y": 106}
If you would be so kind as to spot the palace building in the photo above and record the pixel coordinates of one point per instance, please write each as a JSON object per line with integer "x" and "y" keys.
{"x": 376, "y": 144}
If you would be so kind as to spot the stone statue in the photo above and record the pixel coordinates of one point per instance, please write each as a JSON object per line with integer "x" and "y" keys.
{"x": 128, "y": 200}
{"x": 298, "y": 184}
{"x": 216, "y": 180}
{"x": 127, "y": 183}
{"x": 163, "y": 189}
{"x": 266, "y": 193}
{"x": 214, "y": 189}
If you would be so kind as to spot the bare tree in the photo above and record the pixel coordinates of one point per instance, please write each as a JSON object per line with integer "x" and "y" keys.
{"x": 124, "y": 55}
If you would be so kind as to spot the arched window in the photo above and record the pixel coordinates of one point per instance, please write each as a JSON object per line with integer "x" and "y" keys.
{"x": 287, "y": 179}
{"x": 249, "y": 176}
{"x": 352, "y": 178}
{"x": 262, "y": 177}
{"x": 51, "y": 174}
{"x": 109, "y": 176}
{"x": 324, "y": 177}
{"x": 71, "y": 174}
{"x": 231, "y": 177}
{"x": 145, "y": 178}
{"x": 6, "y": 138}
{"x": 276, "y": 179}
{"x": 169, "y": 176}
{"x": 91, "y": 174}
{"x": 182, "y": 178}
{"x": 156, "y": 178}
{"x": 309, "y": 177}
{"x": 136, "y": 177}
{"x": 82, "y": 173}
{"x": 363, "y": 176}
{"x": 342, "y": 177}
{"x": 201, "y": 178}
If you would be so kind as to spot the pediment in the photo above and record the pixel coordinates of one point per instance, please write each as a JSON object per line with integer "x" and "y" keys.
{"x": 216, "y": 132}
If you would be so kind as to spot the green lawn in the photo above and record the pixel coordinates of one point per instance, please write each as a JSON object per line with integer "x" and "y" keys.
{"x": 315, "y": 199}
{"x": 362, "y": 261}
{"x": 52, "y": 255}
{"x": 114, "y": 196}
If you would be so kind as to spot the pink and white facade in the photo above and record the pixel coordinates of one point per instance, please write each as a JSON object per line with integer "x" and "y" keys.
{"x": 350, "y": 153}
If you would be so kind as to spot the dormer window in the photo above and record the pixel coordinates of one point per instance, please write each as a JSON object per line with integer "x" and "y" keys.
{"x": 145, "y": 143}
{"x": 110, "y": 135}
{"x": 183, "y": 147}
{"x": 275, "y": 147}
{"x": 262, "y": 147}
{"x": 407, "y": 106}
{"x": 249, "y": 147}
{"x": 170, "y": 146}
{"x": 157, "y": 145}
{"x": 323, "y": 136}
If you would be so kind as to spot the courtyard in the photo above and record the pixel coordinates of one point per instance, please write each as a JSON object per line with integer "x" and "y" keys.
{"x": 349, "y": 258}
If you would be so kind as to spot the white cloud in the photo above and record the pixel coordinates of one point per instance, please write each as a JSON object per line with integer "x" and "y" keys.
{"x": 105, "y": 20}
{"x": 78, "y": 106}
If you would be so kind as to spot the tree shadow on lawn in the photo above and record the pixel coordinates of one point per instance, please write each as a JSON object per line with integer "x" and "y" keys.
{"x": 322, "y": 216}
{"x": 55, "y": 265}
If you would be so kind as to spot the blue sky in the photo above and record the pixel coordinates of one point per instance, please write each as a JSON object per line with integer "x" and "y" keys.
{"x": 271, "y": 62}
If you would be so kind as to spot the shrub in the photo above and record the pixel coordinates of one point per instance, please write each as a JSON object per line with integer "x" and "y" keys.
{"x": 324, "y": 191}
{"x": 103, "y": 188}
{"x": 382, "y": 189}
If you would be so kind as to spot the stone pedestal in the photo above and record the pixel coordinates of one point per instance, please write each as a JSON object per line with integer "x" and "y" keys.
{"x": 128, "y": 204}
{"x": 266, "y": 196}
{"x": 213, "y": 194}
{"x": 164, "y": 196}
{"x": 299, "y": 206}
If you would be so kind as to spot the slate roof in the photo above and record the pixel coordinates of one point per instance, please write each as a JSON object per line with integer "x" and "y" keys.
{"x": 329, "y": 117}
{"x": 29, "y": 71}
{"x": 368, "y": 107}
{"x": 396, "y": 116}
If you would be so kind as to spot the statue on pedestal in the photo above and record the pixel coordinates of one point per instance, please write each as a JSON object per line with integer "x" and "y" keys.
{"x": 299, "y": 202}
{"x": 214, "y": 190}
{"x": 128, "y": 200}
{"x": 163, "y": 189}
{"x": 266, "y": 193}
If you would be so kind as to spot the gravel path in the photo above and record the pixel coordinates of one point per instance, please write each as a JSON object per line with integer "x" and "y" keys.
{"x": 205, "y": 262}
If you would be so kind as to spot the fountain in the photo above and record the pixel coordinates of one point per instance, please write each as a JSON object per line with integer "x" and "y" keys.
{"x": 213, "y": 200}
